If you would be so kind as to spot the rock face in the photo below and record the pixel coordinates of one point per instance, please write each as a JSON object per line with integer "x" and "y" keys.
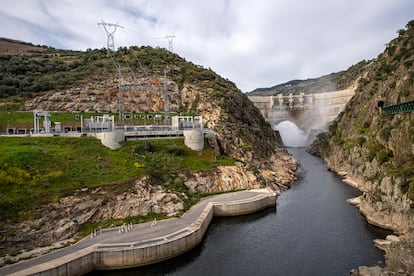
{"x": 62, "y": 220}
{"x": 273, "y": 174}
{"x": 375, "y": 150}
{"x": 102, "y": 96}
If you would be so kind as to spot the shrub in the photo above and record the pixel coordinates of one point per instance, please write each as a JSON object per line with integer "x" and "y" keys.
{"x": 361, "y": 140}
{"x": 373, "y": 148}
{"x": 401, "y": 32}
{"x": 175, "y": 150}
{"x": 148, "y": 146}
{"x": 385, "y": 133}
{"x": 384, "y": 155}
{"x": 178, "y": 181}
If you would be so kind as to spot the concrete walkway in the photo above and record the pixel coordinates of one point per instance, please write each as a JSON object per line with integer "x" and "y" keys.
{"x": 95, "y": 250}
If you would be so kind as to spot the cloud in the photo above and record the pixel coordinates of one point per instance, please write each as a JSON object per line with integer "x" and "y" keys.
{"x": 253, "y": 43}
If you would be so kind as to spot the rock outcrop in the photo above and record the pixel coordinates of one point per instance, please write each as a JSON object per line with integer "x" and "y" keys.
{"x": 102, "y": 96}
{"x": 63, "y": 219}
{"x": 277, "y": 174}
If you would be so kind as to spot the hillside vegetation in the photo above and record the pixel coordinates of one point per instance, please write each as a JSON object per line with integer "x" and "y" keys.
{"x": 376, "y": 150}
{"x": 25, "y": 76}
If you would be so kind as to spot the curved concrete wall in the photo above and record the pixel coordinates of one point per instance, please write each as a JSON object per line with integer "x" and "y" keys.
{"x": 118, "y": 256}
{"x": 161, "y": 250}
{"x": 243, "y": 207}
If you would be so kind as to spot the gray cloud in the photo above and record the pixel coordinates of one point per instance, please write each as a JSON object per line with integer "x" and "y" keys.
{"x": 253, "y": 43}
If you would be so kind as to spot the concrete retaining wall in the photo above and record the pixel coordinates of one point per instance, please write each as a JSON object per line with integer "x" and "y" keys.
{"x": 238, "y": 208}
{"x": 158, "y": 251}
{"x": 77, "y": 263}
{"x": 118, "y": 256}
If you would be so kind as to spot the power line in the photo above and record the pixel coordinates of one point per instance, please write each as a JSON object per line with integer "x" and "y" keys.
{"x": 143, "y": 34}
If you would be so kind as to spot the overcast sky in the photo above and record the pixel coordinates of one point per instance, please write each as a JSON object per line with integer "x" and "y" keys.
{"x": 254, "y": 43}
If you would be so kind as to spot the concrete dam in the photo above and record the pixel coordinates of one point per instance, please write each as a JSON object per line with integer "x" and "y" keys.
{"x": 307, "y": 111}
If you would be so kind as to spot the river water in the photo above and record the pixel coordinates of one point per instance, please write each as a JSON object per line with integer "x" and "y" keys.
{"x": 312, "y": 231}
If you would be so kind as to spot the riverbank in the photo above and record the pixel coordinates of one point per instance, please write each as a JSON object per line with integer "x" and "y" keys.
{"x": 398, "y": 248}
{"x": 137, "y": 245}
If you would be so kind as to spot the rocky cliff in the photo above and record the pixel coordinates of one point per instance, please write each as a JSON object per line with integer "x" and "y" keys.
{"x": 375, "y": 150}
{"x": 242, "y": 133}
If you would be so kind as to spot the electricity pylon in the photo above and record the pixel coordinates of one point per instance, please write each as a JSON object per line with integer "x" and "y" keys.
{"x": 170, "y": 39}
{"x": 110, "y": 29}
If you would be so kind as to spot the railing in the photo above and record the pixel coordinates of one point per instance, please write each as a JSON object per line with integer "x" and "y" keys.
{"x": 399, "y": 108}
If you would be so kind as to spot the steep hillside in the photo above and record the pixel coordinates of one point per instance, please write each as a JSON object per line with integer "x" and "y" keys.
{"x": 376, "y": 150}
{"x": 88, "y": 81}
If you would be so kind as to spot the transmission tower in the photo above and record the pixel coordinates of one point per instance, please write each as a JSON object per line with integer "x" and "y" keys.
{"x": 110, "y": 29}
{"x": 170, "y": 39}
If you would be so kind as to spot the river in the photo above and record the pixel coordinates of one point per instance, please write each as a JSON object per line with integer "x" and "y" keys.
{"x": 312, "y": 231}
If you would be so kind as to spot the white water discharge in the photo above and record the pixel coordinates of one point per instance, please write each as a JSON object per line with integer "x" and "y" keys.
{"x": 292, "y": 136}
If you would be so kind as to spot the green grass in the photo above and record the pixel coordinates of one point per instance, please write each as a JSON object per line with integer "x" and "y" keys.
{"x": 42, "y": 170}
{"x": 88, "y": 227}
{"x": 172, "y": 156}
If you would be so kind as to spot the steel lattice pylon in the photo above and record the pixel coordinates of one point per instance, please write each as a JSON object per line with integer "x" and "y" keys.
{"x": 110, "y": 29}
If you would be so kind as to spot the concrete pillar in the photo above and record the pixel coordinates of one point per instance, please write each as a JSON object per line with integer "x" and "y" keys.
{"x": 280, "y": 99}
{"x": 113, "y": 139}
{"x": 194, "y": 139}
